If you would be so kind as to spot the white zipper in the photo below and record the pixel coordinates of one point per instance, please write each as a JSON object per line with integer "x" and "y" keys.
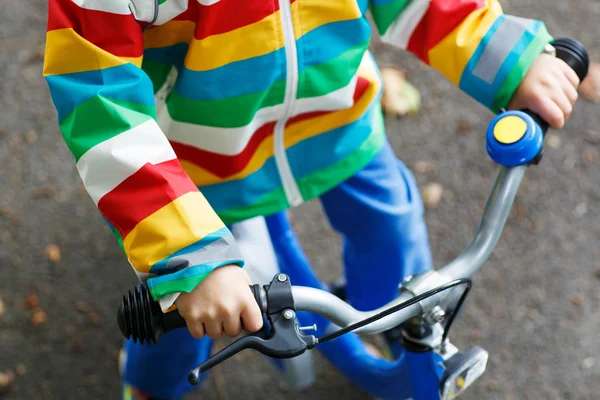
{"x": 292, "y": 192}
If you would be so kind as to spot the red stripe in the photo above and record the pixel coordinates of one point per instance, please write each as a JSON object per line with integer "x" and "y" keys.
{"x": 223, "y": 165}
{"x": 227, "y": 15}
{"x": 148, "y": 190}
{"x": 442, "y": 18}
{"x": 120, "y": 35}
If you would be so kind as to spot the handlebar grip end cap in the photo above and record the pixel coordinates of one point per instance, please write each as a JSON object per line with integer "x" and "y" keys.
{"x": 514, "y": 138}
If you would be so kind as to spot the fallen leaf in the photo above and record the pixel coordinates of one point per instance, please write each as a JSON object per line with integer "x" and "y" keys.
{"x": 2, "y": 307}
{"x": 43, "y": 192}
{"x": 52, "y": 253}
{"x": 463, "y": 127}
{"x": 475, "y": 334}
{"x": 399, "y": 97}
{"x": 590, "y": 155}
{"x": 6, "y": 380}
{"x": 77, "y": 346}
{"x": 493, "y": 385}
{"x": 39, "y": 317}
{"x": 553, "y": 140}
{"x": 592, "y": 137}
{"x": 37, "y": 55}
{"x": 94, "y": 318}
{"x": 81, "y": 306}
{"x": 20, "y": 368}
{"x": 31, "y": 301}
{"x": 31, "y": 136}
{"x": 520, "y": 210}
{"x": 12, "y": 217}
{"x": 577, "y": 298}
{"x": 425, "y": 167}
{"x": 432, "y": 194}
{"x": 590, "y": 87}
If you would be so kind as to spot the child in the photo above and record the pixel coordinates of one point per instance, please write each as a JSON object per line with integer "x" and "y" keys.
{"x": 186, "y": 115}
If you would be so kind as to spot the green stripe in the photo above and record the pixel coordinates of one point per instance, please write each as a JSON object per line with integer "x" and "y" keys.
{"x": 334, "y": 74}
{"x": 386, "y": 14}
{"x": 119, "y": 240}
{"x": 156, "y": 71}
{"x": 99, "y": 119}
{"x": 230, "y": 112}
{"x": 516, "y": 75}
{"x": 162, "y": 1}
{"x": 317, "y": 183}
{"x": 185, "y": 285}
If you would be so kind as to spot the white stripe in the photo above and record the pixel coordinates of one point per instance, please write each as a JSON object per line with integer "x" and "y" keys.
{"x": 106, "y": 165}
{"x": 399, "y": 32}
{"x": 228, "y": 141}
{"x": 208, "y": 2}
{"x": 232, "y": 141}
{"x": 169, "y": 10}
{"x": 337, "y": 100}
{"x": 111, "y": 6}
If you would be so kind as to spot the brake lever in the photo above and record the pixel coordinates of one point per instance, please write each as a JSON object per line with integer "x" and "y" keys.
{"x": 283, "y": 339}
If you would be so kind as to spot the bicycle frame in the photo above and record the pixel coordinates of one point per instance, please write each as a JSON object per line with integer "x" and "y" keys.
{"x": 411, "y": 375}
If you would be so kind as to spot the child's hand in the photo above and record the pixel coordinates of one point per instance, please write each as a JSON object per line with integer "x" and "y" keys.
{"x": 220, "y": 303}
{"x": 549, "y": 89}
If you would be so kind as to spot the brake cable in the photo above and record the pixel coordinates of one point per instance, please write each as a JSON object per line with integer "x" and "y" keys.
{"x": 410, "y": 302}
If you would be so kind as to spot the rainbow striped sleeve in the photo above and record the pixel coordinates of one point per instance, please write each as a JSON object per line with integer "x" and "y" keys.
{"x": 105, "y": 103}
{"x": 471, "y": 42}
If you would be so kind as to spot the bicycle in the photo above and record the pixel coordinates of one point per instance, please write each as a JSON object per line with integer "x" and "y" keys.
{"x": 416, "y": 324}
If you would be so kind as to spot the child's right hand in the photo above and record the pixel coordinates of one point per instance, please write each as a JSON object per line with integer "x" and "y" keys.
{"x": 220, "y": 303}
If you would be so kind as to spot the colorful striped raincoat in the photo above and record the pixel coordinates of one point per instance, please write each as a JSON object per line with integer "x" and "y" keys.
{"x": 187, "y": 115}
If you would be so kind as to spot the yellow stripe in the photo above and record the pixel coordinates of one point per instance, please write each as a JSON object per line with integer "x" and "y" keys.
{"x": 257, "y": 39}
{"x": 310, "y": 14}
{"x": 173, "y": 32}
{"x": 295, "y": 133}
{"x": 180, "y": 223}
{"x": 67, "y": 52}
{"x": 451, "y": 55}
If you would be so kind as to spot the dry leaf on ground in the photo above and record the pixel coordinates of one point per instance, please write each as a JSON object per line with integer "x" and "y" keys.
{"x": 39, "y": 317}
{"x": 2, "y": 307}
{"x": 432, "y": 194}
{"x": 52, "y": 253}
{"x": 590, "y": 87}
{"x": 553, "y": 140}
{"x": 6, "y": 380}
{"x": 31, "y": 301}
{"x": 399, "y": 97}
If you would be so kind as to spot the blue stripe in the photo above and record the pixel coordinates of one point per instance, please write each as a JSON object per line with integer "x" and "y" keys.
{"x": 337, "y": 144}
{"x": 482, "y": 91}
{"x": 125, "y": 83}
{"x": 189, "y": 272}
{"x": 170, "y": 55}
{"x": 253, "y": 75}
{"x": 303, "y": 159}
{"x": 205, "y": 241}
{"x": 237, "y": 193}
{"x": 329, "y": 41}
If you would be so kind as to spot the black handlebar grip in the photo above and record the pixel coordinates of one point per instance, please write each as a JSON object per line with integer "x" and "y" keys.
{"x": 576, "y": 56}
{"x": 140, "y": 317}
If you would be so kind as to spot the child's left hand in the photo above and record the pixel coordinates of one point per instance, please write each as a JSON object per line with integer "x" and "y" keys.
{"x": 548, "y": 89}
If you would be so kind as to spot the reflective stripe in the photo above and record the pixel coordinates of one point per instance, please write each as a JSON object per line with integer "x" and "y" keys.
{"x": 499, "y": 47}
{"x": 401, "y": 30}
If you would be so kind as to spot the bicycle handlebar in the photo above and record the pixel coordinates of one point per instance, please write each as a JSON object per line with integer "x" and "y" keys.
{"x": 140, "y": 317}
